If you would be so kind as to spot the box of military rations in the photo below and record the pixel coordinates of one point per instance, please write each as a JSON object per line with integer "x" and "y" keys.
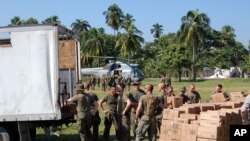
{"x": 236, "y": 96}
{"x": 171, "y": 113}
{"x": 218, "y": 97}
{"x": 189, "y": 116}
{"x": 190, "y": 108}
{"x": 177, "y": 101}
{"x": 213, "y": 132}
{"x": 203, "y": 139}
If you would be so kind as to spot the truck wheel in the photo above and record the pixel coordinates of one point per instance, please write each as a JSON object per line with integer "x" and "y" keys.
{"x": 4, "y": 134}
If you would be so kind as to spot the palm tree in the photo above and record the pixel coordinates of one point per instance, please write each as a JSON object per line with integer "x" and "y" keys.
{"x": 193, "y": 33}
{"x": 52, "y": 20}
{"x": 93, "y": 44}
{"x": 113, "y": 17}
{"x": 228, "y": 35}
{"x": 128, "y": 19}
{"x": 16, "y": 21}
{"x": 80, "y": 25}
{"x": 129, "y": 41}
{"x": 157, "y": 30}
{"x": 31, "y": 21}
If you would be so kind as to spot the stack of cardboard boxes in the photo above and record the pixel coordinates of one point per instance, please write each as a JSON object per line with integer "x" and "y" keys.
{"x": 200, "y": 122}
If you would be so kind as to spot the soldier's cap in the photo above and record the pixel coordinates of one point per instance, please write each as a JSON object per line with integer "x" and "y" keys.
{"x": 79, "y": 87}
{"x": 136, "y": 83}
{"x": 183, "y": 89}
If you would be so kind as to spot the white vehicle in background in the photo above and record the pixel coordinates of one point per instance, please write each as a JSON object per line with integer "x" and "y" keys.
{"x": 39, "y": 68}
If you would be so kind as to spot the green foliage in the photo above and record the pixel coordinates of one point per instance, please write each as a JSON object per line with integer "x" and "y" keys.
{"x": 15, "y": 21}
{"x": 51, "y": 20}
{"x": 113, "y": 16}
{"x": 80, "y": 26}
{"x": 157, "y": 30}
{"x": 31, "y": 21}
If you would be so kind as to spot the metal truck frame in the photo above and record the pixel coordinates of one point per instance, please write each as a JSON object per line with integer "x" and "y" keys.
{"x": 39, "y": 67}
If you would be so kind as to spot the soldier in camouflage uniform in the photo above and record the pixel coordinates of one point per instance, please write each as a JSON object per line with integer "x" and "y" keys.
{"x": 93, "y": 82}
{"x": 83, "y": 101}
{"x": 218, "y": 89}
{"x": 162, "y": 99}
{"x": 98, "y": 79}
{"x": 133, "y": 99}
{"x": 103, "y": 81}
{"x": 95, "y": 118}
{"x": 147, "y": 106}
{"x": 128, "y": 81}
{"x": 183, "y": 95}
{"x": 124, "y": 118}
{"x": 193, "y": 95}
{"x": 111, "y": 114}
{"x": 170, "y": 91}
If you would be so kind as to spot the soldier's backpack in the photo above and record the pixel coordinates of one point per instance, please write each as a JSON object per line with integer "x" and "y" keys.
{"x": 151, "y": 106}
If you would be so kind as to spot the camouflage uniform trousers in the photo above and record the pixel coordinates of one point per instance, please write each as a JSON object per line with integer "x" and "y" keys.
{"x": 124, "y": 123}
{"x": 83, "y": 125}
{"x": 104, "y": 87}
{"x": 132, "y": 122}
{"x": 146, "y": 124}
{"x": 95, "y": 120}
{"x": 108, "y": 120}
{"x": 158, "y": 122}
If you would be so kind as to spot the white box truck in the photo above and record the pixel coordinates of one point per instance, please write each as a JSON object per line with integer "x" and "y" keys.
{"x": 39, "y": 68}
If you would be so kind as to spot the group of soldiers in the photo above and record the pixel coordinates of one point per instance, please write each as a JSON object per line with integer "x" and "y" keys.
{"x": 138, "y": 110}
{"x": 106, "y": 81}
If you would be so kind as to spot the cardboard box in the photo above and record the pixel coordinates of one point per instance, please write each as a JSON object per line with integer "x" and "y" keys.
{"x": 182, "y": 120}
{"x": 203, "y": 139}
{"x": 177, "y": 101}
{"x": 212, "y": 123}
{"x": 166, "y": 125}
{"x": 235, "y": 96}
{"x": 218, "y": 97}
{"x": 213, "y": 132}
{"x": 190, "y": 109}
{"x": 206, "y": 107}
{"x": 189, "y": 132}
{"x": 171, "y": 113}
{"x": 189, "y": 116}
{"x": 196, "y": 122}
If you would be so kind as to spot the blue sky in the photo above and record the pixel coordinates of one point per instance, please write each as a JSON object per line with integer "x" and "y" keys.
{"x": 168, "y": 13}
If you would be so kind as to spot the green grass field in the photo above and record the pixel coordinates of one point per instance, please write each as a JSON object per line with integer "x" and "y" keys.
{"x": 204, "y": 87}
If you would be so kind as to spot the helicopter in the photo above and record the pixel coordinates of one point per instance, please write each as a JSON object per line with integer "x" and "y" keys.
{"x": 116, "y": 68}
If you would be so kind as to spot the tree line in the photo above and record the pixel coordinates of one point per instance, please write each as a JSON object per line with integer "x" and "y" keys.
{"x": 194, "y": 46}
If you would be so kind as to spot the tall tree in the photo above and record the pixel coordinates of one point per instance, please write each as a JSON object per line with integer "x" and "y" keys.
{"x": 31, "y": 21}
{"x": 157, "y": 30}
{"x": 129, "y": 41}
{"x": 52, "y": 20}
{"x": 176, "y": 58}
{"x": 194, "y": 28}
{"x": 113, "y": 16}
{"x": 227, "y": 35}
{"x": 127, "y": 20}
{"x": 93, "y": 45}
{"x": 80, "y": 25}
{"x": 16, "y": 21}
